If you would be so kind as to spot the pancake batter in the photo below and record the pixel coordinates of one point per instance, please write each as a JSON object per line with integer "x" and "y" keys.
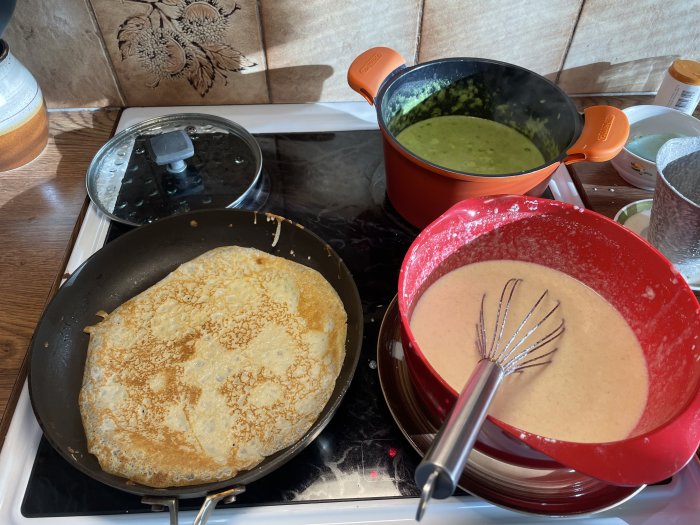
{"x": 595, "y": 388}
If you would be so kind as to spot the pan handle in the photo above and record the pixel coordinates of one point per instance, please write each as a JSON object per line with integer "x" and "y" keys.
{"x": 158, "y": 504}
{"x": 368, "y": 70}
{"x": 211, "y": 501}
{"x": 605, "y": 131}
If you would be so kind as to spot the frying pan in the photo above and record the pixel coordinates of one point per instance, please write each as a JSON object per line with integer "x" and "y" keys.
{"x": 129, "y": 265}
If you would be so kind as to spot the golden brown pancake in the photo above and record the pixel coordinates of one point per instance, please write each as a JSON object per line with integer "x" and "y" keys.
{"x": 227, "y": 360}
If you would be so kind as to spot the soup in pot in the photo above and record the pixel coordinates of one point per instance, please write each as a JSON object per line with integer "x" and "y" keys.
{"x": 471, "y": 145}
{"x": 595, "y": 388}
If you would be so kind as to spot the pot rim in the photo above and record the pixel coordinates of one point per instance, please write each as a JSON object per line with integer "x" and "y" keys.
{"x": 400, "y": 72}
{"x": 157, "y": 124}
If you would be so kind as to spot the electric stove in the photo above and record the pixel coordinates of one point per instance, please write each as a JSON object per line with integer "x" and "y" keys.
{"x": 323, "y": 168}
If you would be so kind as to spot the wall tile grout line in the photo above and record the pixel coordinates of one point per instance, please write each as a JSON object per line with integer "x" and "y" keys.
{"x": 263, "y": 44}
{"x": 568, "y": 44}
{"x": 620, "y": 94}
{"x": 105, "y": 52}
{"x": 419, "y": 30}
{"x": 84, "y": 109}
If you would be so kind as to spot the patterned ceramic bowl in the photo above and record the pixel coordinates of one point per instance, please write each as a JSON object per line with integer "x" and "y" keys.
{"x": 650, "y": 127}
{"x": 635, "y": 216}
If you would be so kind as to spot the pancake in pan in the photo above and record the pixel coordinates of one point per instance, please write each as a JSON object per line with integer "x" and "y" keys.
{"x": 227, "y": 360}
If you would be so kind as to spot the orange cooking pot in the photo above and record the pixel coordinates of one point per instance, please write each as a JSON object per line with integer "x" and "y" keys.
{"x": 421, "y": 190}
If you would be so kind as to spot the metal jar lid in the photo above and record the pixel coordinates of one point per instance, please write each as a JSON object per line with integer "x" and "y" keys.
{"x": 175, "y": 164}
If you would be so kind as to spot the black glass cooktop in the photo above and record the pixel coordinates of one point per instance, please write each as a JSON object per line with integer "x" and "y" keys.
{"x": 333, "y": 184}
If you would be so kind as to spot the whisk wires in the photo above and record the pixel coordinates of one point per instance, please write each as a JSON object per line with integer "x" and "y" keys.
{"x": 514, "y": 355}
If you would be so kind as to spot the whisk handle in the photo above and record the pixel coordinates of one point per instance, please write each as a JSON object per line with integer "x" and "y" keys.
{"x": 451, "y": 447}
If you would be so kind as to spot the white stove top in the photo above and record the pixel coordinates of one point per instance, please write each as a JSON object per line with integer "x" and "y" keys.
{"x": 677, "y": 502}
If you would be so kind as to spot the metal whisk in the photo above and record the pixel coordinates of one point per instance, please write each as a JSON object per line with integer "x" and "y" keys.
{"x": 438, "y": 473}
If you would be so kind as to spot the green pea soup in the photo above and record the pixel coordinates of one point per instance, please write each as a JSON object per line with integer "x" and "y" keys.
{"x": 471, "y": 145}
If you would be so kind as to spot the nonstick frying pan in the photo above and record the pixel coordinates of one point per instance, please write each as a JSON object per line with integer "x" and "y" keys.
{"x": 129, "y": 265}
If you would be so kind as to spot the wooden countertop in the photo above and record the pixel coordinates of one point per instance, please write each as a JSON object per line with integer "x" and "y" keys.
{"x": 41, "y": 205}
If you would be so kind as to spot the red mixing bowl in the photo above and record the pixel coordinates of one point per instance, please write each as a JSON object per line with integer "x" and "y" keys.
{"x": 623, "y": 268}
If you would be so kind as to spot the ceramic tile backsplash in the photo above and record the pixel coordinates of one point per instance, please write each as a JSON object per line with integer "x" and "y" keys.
{"x": 177, "y": 52}
{"x": 530, "y": 33}
{"x": 180, "y": 52}
{"x": 60, "y": 44}
{"x": 311, "y": 44}
{"x": 627, "y": 46}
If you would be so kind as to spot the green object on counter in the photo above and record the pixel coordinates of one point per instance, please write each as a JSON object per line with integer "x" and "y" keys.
{"x": 471, "y": 145}
{"x": 635, "y": 216}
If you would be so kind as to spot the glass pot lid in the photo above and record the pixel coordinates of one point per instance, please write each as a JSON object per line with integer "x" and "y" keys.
{"x": 175, "y": 164}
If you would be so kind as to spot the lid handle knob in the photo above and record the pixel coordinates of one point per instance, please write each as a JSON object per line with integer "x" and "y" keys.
{"x": 171, "y": 148}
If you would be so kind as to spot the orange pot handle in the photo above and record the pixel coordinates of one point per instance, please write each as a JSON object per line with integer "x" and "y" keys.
{"x": 368, "y": 71}
{"x": 604, "y": 134}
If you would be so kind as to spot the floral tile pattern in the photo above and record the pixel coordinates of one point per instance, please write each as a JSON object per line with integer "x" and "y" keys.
{"x": 174, "y": 52}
